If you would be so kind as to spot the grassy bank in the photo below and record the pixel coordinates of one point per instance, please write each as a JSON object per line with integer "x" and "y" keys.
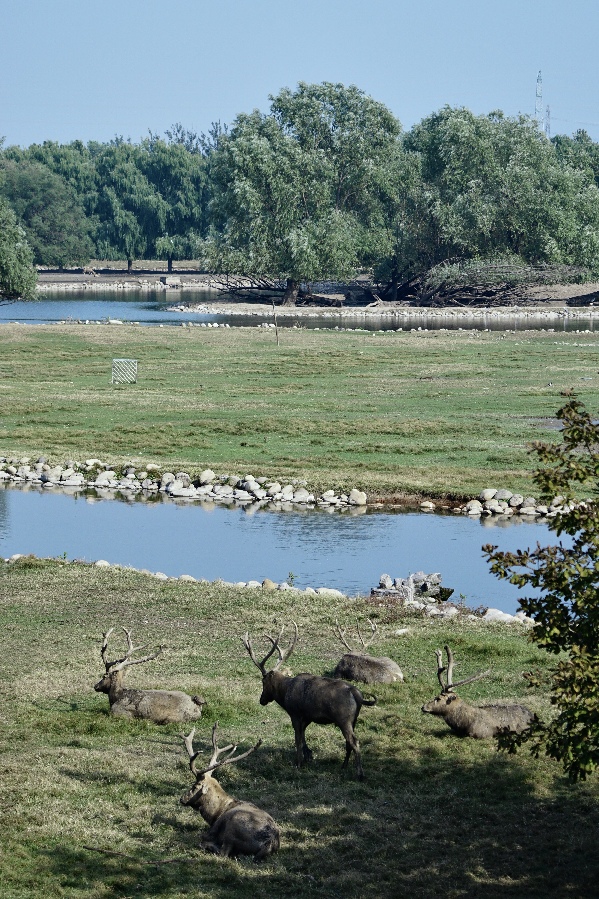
{"x": 436, "y": 815}
{"x": 390, "y": 412}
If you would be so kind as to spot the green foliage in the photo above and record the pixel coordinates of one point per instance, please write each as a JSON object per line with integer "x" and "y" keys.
{"x": 485, "y": 188}
{"x": 567, "y": 609}
{"x": 17, "y": 274}
{"x": 293, "y": 189}
{"x": 49, "y": 210}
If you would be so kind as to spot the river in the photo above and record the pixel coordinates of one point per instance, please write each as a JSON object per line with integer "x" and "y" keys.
{"x": 320, "y": 549}
{"x": 152, "y": 308}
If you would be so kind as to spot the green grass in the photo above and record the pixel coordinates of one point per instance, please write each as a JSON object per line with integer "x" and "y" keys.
{"x": 390, "y": 412}
{"x": 436, "y": 815}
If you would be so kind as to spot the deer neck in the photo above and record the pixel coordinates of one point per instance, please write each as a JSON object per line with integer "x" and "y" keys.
{"x": 117, "y": 686}
{"x": 215, "y": 800}
{"x": 279, "y": 684}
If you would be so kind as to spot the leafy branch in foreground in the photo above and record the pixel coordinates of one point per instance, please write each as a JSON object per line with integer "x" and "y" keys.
{"x": 566, "y": 609}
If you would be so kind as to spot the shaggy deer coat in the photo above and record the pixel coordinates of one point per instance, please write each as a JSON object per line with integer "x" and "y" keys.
{"x": 236, "y": 827}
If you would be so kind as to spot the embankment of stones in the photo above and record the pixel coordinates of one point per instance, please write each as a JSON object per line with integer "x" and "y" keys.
{"x": 246, "y": 491}
{"x": 438, "y": 610}
{"x": 422, "y": 593}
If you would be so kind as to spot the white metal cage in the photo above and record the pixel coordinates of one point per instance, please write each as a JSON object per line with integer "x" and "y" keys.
{"x": 124, "y": 371}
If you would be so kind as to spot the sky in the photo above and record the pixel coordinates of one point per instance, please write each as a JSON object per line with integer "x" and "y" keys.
{"x": 93, "y": 69}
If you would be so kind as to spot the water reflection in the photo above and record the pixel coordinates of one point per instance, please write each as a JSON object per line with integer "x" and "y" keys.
{"x": 152, "y": 308}
{"x": 348, "y": 552}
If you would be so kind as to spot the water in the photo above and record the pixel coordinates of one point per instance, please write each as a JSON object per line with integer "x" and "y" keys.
{"x": 348, "y": 552}
{"x": 151, "y": 308}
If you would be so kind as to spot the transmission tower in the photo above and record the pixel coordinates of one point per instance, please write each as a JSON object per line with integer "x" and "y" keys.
{"x": 539, "y": 101}
{"x": 547, "y": 122}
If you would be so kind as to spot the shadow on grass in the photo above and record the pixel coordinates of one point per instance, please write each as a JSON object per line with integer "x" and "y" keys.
{"x": 457, "y": 828}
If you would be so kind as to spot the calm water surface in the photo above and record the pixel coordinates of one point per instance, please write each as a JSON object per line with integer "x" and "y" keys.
{"x": 151, "y": 308}
{"x": 348, "y": 552}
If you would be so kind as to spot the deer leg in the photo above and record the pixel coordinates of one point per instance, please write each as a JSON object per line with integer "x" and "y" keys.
{"x": 352, "y": 745}
{"x": 303, "y": 754}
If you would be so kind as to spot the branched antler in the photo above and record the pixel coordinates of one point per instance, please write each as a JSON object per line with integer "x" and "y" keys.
{"x": 283, "y": 654}
{"x": 449, "y": 686}
{"x": 126, "y": 660}
{"x": 216, "y": 751}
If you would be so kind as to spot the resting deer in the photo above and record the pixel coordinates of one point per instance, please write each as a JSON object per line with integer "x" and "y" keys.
{"x": 236, "y": 827}
{"x": 160, "y": 706}
{"x": 360, "y": 666}
{"x": 309, "y": 698}
{"x": 480, "y": 722}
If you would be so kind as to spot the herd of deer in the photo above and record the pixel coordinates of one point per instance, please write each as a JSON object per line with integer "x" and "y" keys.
{"x": 237, "y": 827}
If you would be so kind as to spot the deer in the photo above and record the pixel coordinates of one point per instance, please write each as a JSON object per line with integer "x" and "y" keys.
{"x": 236, "y": 827}
{"x": 480, "y": 722}
{"x": 309, "y": 698}
{"x": 360, "y": 666}
{"x": 160, "y": 706}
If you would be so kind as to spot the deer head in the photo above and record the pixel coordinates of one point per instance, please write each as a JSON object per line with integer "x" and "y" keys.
{"x": 271, "y": 678}
{"x": 115, "y": 668}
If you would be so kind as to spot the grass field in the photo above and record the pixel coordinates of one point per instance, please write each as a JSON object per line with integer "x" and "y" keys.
{"x": 435, "y": 413}
{"x": 89, "y": 804}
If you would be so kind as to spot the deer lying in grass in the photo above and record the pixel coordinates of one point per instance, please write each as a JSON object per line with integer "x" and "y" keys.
{"x": 236, "y": 827}
{"x": 308, "y": 698}
{"x": 360, "y": 666}
{"x": 160, "y": 706}
{"x": 480, "y": 722}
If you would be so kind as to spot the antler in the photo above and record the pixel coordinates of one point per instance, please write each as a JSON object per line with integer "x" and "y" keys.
{"x": 373, "y": 628}
{"x": 450, "y": 686}
{"x": 214, "y": 763}
{"x": 341, "y": 635}
{"x": 365, "y": 644}
{"x": 283, "y": 654}
{"x": 119, "y": 664}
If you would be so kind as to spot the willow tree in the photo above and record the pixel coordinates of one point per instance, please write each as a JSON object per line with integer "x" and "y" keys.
{"x": 17, "y": 274}
{"x": 485, "y": 188}
{"x": 293, "y": 189}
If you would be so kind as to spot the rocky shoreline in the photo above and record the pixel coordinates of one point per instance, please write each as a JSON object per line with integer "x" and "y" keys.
{"x": 405, "y": 596}
{"x": 247, "y": 491}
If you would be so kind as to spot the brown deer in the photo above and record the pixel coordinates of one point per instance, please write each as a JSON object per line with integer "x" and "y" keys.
{"x": 236, "y": 827}
{"x": 160, "y": 706}
{"x": 481, "y": 722}
{"x": 360, "y": 666}
{"x": 309, "y": 698}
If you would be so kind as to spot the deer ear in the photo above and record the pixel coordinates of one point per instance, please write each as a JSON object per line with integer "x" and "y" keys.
{"x": 451, "y": 698}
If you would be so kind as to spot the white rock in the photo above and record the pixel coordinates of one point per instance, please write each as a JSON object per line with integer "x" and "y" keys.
{"x": 357, "y": 497}
{"x": 102, "y": 563}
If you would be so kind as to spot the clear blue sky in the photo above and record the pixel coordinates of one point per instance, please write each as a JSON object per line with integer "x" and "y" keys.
{"x": 91, "y": 69}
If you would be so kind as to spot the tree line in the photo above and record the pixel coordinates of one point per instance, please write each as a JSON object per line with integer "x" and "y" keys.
{"x": 323, "y": 186}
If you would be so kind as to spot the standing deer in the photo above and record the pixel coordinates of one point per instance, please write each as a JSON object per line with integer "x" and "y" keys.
{"x": 236, "y": 827}
{"x": 160, "y": 706}
{"x": 360, "y": 666}
{"x": 480, "y": 722}
{"x": 308, "y": 698}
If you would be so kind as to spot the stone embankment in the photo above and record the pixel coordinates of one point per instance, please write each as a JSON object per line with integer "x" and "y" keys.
{"x": 422, "y": 593}
{"x": 247, "y": 490}
{"x": 181, "y": 486}
{"x": 502, "y": 504}
{"x": 418, "y": 584}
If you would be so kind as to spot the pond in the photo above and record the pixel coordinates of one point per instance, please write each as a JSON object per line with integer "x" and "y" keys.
{"x": 321, "y": 549}
{"x": 152, "y": 308}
